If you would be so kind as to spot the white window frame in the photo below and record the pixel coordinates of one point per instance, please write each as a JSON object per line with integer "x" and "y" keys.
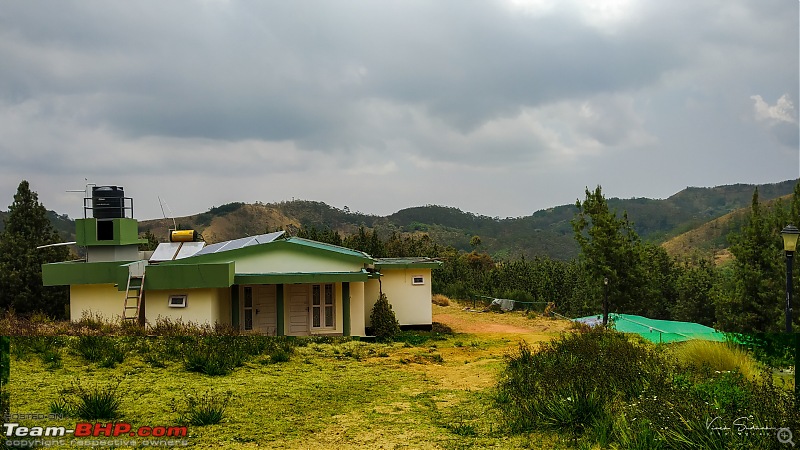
{"x": 418, "y": 283}
{"x": 323, "y": 325}
{"x": 181, "y": 304}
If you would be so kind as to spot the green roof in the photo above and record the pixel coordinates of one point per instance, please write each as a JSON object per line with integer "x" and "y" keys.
{"x": 295, "y": 243}
{"x": 655, "y": 330}
{"x": 328, "y": 247}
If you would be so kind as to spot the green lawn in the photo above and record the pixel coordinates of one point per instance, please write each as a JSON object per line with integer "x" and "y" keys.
{"x": 345, "y": 395}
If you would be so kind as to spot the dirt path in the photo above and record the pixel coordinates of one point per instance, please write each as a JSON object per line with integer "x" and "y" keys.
{"x": 477, "y": 322}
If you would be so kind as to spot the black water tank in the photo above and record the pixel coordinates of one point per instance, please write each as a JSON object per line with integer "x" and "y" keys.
{"x": 108, "y": 202}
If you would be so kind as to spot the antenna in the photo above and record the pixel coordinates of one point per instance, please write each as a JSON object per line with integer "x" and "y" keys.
{"x": 87, "y": 193}
{"x": 172, "y": 216}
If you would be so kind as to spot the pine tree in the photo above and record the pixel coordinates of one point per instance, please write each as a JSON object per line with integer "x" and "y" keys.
{"x": 384, "y": 322}
{"x": 755, "y": 305}
{"x": 610, "y": 249}
{"x": 27, "y": 227}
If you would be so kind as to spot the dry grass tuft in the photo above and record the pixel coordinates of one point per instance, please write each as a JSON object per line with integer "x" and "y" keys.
{"x": 717, "y": 356}
{"x": 440, "y": 300}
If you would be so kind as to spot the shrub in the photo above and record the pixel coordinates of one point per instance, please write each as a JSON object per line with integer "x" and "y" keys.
{"x": 384, "y": 322}
{"x": 440, "y": 300}
{"x": 201, "y": 410}
{"x": 104, "y": 350}
{"x": 716, "y": 356}
{"x": 212, "y": 355}
{"x": 603, "y": 366}
{"x": 89, "y": 402}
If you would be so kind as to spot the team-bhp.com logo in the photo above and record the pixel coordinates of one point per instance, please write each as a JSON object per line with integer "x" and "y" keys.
{"x": 86, "y": 429}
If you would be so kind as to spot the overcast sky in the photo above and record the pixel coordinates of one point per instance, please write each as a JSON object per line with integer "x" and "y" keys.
{"x": 497, "y": 107}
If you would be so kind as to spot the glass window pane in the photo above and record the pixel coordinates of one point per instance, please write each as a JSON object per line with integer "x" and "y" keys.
{"x": 248, "y": 297}
{"x": 248, "y": 319}
{"x": 316, "y": 318}
{"x": 329, "y": 316}
{"x": 328, "y": 294}
{"x": 315, "y": 295}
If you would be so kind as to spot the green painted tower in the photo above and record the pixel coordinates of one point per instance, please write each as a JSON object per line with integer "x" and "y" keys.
{"x": 111, "y": 233}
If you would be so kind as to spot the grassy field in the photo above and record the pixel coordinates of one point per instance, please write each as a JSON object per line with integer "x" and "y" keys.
{"x": 432, "y": 394}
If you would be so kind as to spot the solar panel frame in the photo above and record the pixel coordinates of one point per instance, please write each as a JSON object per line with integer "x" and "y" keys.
{"x": 165, "y": 251}
{"x": 240, "y": 243}
{"x": 189, "y": 249}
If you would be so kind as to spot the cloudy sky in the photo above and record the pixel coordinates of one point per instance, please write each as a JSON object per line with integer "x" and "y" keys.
{"x": 497, "y": 107}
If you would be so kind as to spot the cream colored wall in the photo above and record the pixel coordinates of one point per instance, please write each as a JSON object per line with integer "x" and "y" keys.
{"x": 95, "y": 299}
{"x": 357, "y": 309}
{"x": 371, "y": 293}
{"x": 203, "y": 306}
{"x": 224, "y": 306}
{"x": 285, "y": 261}
{"x": 411, "y": 303}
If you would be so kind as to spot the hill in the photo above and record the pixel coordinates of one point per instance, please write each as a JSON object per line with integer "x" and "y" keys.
{"x": 711, "y": 238}
{"x": 710, "y": 212}
{"x": 547, "y": 232}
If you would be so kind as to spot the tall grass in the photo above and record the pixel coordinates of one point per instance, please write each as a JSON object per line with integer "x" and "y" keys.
{"x": 93, "y": 402}
{"x": 716, "y": 356}
{"x": 201, "y": 409}
{"x": 602, "y": 388}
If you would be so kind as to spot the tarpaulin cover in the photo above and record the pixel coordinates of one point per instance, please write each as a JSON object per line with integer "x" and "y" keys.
{"x": 656, "y": 330}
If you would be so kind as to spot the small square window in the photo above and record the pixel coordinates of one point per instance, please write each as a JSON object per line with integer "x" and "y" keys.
{"x": 177, "y": 301}
{"x": 417, "y": 279}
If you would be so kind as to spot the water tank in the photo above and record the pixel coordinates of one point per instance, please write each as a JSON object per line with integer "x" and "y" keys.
{"x": 108, "y": 202}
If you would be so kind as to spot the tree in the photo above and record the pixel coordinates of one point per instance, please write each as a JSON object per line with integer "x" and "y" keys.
{"x": 152, "y": 241}
{"x": 384, "y": 322}
{"x": 755, "y": 304}
{"x": 695, "y": 290}
{"x": 609, "y": 248}
{"x": 27, "y": 227}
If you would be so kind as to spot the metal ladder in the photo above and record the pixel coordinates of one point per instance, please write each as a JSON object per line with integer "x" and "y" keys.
{"x": 133, "y": 297}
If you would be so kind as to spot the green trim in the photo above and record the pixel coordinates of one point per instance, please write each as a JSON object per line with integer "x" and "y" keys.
{"x": 74, "y": 272}
{"x": 328, "y": 247}
{"x": 280, "y": 313}
{"x": 346, "y": 308}
{"x": 293, "y": 244}
{"x": 235, "y": 306}
{"x": 189, "y": 276}
{"x": 293, "y": 278}
{"x": 126, "y": 232}
{"x": 406, "y": 263}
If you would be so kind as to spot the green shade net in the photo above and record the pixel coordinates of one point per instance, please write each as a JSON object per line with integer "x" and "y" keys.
{"x": 656, "y": 330}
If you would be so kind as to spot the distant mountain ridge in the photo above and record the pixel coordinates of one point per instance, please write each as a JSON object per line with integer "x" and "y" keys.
{"x": 544, "y": 233}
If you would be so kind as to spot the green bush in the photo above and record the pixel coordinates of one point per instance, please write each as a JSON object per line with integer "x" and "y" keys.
{"x": 219, "y": 355}
{"x": 89, "y": 402}
{"x": 201, "y": 410}
{"x": 384, "y": 322}
{"x": 104, "y": 350}
{"x": 602, "y": 366}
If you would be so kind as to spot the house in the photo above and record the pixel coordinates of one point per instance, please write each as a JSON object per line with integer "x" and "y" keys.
{"x": 269, "y": 283}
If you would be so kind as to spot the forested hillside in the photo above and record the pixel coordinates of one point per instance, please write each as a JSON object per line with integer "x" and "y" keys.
{"x": 543, "y": 233}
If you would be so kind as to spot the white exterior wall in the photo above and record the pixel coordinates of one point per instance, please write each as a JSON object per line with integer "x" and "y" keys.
{"x": 411, "y": 303}
{"x": 95, "y": 299}
{"x": 289, "y": 261}
{"x": 357, "y": 322}
{"x": 203, "y": 306}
